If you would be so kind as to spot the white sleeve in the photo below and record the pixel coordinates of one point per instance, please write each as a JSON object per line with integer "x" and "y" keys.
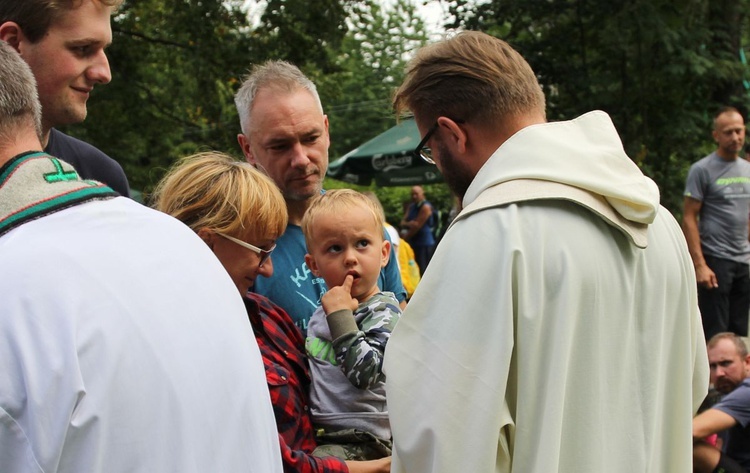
{"x": 440, "y": 350}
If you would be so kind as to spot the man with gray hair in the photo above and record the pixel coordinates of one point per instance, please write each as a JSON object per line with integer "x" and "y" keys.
{"x": 556, "y": 328}
{"x": 285, "y": 134}
{"x": 103, "y": 369}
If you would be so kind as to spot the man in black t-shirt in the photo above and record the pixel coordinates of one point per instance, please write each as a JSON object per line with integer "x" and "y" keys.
{"x": 63, "y": 43}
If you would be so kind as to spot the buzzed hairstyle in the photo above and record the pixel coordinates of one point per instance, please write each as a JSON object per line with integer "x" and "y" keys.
{"x": 216, "y": 191}
{"x": 36, "y": 16}
{"x": 732, "y": 337}
{"x": 471, "y": 76}
{"x": 19, "y": 102}
{"x": 337, "y": 201}
{"x": 726, "y": 109}
{"x": 278, "y": 75}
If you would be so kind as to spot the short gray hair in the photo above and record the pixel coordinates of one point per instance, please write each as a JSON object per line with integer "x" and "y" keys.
{"x": 19, "y": 102}
{"x": 279, "y": 75}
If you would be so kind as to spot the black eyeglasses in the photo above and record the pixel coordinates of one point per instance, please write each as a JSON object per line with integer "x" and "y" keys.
{"x": 425, "y": 152}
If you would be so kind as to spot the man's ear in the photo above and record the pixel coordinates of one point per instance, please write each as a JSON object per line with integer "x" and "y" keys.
{"x": 453, "y": 134}
{"x": 386, "y": 253}
{"x": 246, "y": 148}
{"x": 12, "y": 34}
{"x": 310, "y": 262}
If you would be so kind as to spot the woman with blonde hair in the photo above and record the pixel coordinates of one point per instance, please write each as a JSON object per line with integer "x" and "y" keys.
{"x": 239, "y": 213}
{"x": 233, "y": 207}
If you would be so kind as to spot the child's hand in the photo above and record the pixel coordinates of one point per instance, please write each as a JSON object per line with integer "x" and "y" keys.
{"x": 340, "y": 297}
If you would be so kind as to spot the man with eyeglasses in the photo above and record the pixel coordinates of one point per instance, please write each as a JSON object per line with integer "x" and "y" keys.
{"x": 556, "y": 328}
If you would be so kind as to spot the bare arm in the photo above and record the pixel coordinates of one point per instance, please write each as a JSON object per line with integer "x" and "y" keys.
{"x": 710, "y": 422}
{"x": 382, "y": 465}
{"x": 413, "y": 226}
{"x": 703, "y": 274}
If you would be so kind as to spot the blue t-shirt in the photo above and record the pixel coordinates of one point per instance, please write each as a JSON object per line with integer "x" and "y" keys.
{"x": 297, "y": 290}
{"x": 737, "y": 438}
{"x": 424, "y": 236}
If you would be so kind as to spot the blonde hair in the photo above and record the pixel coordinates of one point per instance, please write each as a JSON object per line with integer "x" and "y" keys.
{"x": 472, "y": 77}
{"x": 337, "y": 201}
{"x": 216, "y": 191}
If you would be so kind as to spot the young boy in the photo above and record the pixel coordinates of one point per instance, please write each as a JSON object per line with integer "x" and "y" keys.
{"x": 347, "y": 334}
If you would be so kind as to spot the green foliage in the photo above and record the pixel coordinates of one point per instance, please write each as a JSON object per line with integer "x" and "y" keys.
{"x": 658, "y": 67}
{"x": 174, "y": 65}
{"x": 370, "y": 64}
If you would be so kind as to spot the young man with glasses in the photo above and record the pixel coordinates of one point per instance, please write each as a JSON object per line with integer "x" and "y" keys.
{"x": 557, "y": 328}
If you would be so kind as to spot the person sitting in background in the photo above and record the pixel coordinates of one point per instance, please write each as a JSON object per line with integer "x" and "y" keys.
{"x": 239, "y": 213}
{"x": 348, "y": 333}
{"x": 729, "y": 362}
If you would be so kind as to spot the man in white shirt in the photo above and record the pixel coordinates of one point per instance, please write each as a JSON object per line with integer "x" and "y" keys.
{"x": 124, "y": 345}
{"x": 557, "y": 327}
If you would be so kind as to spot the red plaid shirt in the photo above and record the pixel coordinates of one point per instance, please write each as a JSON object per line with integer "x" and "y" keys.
{"x": 282, "y": 348}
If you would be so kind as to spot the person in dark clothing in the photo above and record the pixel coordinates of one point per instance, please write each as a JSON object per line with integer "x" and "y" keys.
{"x": 417, "y": 225}
{"x": 63, "y": 42}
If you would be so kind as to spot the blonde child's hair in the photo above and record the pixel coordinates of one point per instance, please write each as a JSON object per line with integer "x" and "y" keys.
{"x": 335, "y": 201}
{"x": 216, "y": 191}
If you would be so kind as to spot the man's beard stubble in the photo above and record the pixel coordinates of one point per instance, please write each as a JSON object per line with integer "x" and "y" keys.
{"x": 455, "y": 173}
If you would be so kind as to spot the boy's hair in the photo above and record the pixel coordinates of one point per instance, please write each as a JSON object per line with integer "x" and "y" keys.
{"x": 36, "y": 16}
{"x": 374, "y": 198}
{"x": 336, "y": 201}
{"x": 216, "y": 191}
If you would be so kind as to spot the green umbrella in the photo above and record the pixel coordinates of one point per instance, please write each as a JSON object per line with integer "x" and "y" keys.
{"x": 387, "y": 159}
